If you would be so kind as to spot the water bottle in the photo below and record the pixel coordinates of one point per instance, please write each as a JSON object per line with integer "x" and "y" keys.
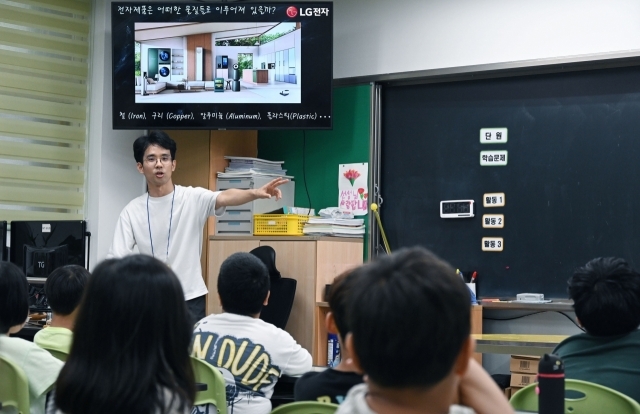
{"x": 550, "y": 385}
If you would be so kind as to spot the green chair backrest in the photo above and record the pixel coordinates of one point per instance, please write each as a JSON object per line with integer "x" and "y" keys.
{"x": 306, "y": 407}
{"x": 593, "y": 399}
{"x": 14, "y": 388}
{"x": 60, "y": 354}
{"x": 216, "y": 386}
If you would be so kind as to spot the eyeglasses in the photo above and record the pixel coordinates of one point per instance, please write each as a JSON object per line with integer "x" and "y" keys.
{"x": 165, "y": 159}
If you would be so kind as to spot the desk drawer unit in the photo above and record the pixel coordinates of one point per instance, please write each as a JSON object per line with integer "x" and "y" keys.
{"x": 238, "y": 220}
{"x": 236, "y": 215}
{"x": 234, "y": 227}
{"x": 241, "y": 183}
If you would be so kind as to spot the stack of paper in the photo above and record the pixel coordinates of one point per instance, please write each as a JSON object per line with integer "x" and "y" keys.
{"x": 321, "y": 226}
{"x": 241, "y": 167}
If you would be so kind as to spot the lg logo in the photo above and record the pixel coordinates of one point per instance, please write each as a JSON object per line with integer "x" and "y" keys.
{"x": 292, "y": 11}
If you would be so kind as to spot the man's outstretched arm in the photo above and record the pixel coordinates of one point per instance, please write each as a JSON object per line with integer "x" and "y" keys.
{"x": 236, "y": 197}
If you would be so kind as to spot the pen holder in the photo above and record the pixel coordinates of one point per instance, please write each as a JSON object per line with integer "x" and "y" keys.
{"x": 472, "y": 287}
{"x": 472, "y": 292}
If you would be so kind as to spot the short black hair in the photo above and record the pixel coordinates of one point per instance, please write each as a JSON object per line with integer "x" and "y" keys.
{"x": 159, "y": 138}
{"x": 409, "y": 315}
{"x": 243, "y": 284}
{"x": 606, "y": 296}
{"x": 14, "y": 296}
{"x": 339, "y": 300}
{"x": 64, "y": 288}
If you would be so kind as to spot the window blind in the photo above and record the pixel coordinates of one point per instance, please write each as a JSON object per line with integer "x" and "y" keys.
{"x": 44, "y": 62}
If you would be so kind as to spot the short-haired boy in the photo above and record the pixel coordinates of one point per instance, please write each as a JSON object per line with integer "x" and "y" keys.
{"x": 606, "y": 299}
{"x": 251, "y": 353}
{"x": 409, "y": 316}
{"x": 333, "y": 384}
{"x": 64, "y": 288}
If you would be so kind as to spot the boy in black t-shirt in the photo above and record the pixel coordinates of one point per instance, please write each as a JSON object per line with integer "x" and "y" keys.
{"x": 333, "y": 384}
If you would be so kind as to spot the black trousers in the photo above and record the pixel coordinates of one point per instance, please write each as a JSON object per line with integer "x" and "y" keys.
{"x": 196, "y": 308}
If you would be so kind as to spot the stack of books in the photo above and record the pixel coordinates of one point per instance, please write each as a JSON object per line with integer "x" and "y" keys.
{"x": 243, "y": 167}
{"x": 324, "y": 226}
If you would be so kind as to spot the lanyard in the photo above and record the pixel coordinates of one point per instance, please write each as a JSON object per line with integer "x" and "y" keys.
{"x": 170, "y": 220}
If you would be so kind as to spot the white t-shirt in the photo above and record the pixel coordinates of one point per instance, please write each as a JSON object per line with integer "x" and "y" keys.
{"x": 191, "y": 208}
{"x": 355, "y": 403}
{"x": 40, "y": 367}
{"x": 251, "y": 354}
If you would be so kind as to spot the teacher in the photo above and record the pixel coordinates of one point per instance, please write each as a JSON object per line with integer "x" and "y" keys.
{"x": 167, "y": 221}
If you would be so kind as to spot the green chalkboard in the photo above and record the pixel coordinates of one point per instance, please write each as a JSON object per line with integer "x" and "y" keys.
{"x": 570, "y": 179}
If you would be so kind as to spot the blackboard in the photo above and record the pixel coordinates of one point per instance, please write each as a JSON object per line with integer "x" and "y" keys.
{"x": 571, "y": 181}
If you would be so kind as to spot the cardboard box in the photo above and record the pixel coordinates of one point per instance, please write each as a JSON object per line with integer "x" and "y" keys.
{"x": 524, "y": 364}
{"x": 522, "y": 380}
{"x": 507, "y": 392}
{"x": 514, "y": 390}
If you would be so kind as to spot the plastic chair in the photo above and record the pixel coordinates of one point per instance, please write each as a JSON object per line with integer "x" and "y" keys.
{"x": 58, "y": 353}
{"x": 14, "y": 388}
{"x": 306, "y": 407}
{"x": 283, "y": 290}
{"x": 592, "y": 399}
{"x": 216, "y": 386}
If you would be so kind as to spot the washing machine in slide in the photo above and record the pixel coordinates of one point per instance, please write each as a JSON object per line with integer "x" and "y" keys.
{"x": 164, "y": 64}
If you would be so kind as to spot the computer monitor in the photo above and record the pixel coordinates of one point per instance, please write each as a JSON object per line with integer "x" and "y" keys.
{"x": 39, "y": 247}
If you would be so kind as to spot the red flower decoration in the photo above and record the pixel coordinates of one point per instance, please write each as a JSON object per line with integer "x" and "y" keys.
{"x": 351, "y": 175}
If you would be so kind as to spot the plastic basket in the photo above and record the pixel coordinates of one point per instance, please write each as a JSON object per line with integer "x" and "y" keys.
{"x": 278, "y": 224}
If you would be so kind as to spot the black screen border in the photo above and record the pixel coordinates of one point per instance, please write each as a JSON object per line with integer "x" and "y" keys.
{"x": 317, "y": 69}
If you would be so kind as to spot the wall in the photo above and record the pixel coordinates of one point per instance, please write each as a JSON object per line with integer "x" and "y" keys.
{"x": 112, "y": 179}
{"x": 380, "y": 36}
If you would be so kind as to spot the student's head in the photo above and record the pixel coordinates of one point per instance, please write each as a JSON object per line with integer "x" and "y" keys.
{"x": 14, "y": 297}
{"x": 243, "y": 284}
{"x": 158, "y": 138}
{"x": 339, "y": 301}
{"x": 409, "y": 316}
{"x": 131, "y": 341}
{"x": 606, "y": 296}
{"x": 64, "y": 288}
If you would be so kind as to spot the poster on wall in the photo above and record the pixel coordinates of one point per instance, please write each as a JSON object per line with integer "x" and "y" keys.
{"x": 353, "y": 188}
